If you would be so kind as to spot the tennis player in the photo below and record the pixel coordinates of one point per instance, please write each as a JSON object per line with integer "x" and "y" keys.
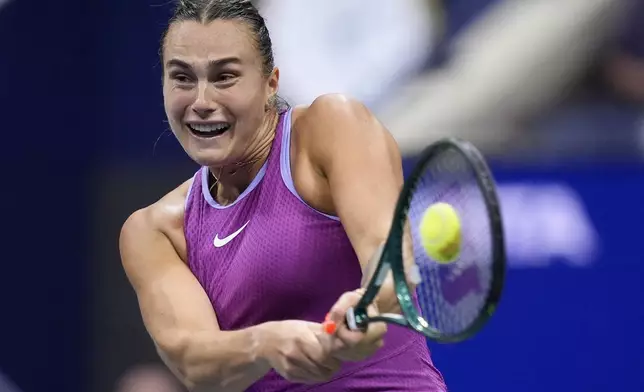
{"x": 235, "y": 269}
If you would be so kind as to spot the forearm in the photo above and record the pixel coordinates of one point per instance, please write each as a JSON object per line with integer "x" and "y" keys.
{"x": 225, "y": 361}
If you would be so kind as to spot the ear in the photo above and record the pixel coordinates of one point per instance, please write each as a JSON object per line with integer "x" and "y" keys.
{"x": 273, "y": 82}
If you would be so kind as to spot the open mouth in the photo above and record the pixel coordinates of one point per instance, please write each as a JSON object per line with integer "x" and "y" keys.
{"x": 208, "y": 130}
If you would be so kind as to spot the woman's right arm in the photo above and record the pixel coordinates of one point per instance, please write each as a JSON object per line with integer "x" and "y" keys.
{"x": 178, "y": 314}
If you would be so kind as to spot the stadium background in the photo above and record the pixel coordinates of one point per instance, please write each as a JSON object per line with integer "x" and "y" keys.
{"x": 82, "y": 120}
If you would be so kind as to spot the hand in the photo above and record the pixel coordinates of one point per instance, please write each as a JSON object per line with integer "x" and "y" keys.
{"x": 351, "y": 345}
{"x": 299, "y": 351}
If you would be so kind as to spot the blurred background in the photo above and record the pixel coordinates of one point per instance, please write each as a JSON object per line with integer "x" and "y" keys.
{"x": 551, "y": 90}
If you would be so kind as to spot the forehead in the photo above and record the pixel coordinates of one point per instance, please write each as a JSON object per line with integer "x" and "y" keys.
{"x": 192, "y": 41}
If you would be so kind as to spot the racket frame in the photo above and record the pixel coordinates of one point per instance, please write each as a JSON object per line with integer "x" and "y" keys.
{"x": 391, "y": 254}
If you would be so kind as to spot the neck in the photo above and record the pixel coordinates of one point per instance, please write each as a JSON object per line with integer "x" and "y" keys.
{"x": 229, "y": 181}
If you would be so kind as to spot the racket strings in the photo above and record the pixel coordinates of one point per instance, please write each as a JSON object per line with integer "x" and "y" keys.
{"x": 451, "y": 296}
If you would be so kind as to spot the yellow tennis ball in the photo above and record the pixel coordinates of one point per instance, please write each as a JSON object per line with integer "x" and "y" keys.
{"x": 440, "y": 232}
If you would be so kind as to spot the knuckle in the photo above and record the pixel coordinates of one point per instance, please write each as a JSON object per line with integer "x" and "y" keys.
{"x": 288, "y": 352}
{"x": 346, "y": 298}
{"x": 359, "y": 292}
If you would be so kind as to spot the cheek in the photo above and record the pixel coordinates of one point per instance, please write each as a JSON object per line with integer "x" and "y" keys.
{"x": 252, "y": 103}
{"x": 175, "y": 103}
{"x": 251, "y": 94}
{"x": 253, "y": 114}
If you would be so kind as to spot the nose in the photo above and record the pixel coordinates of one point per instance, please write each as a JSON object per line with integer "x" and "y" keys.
{"x": 203, "y": 106}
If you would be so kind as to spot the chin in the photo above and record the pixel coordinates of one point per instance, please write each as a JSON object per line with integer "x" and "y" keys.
{"x": 209, "y": 158}
{"x": 208, "y": 153}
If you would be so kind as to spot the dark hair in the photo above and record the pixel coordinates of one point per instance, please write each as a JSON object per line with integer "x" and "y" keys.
{"x": 205, "y": 11}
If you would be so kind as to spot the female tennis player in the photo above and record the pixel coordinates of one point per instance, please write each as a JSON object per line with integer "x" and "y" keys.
{"x": 235, "y": 269}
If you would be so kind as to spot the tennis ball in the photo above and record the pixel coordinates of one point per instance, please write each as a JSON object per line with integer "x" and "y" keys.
{"x": 440, "y": 232}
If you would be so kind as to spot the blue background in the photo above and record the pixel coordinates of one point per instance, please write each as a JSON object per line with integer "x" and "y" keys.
{"x": 564, "y": 328}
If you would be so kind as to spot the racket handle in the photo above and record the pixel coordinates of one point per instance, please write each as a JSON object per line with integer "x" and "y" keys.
{"x": 330, "y": 326}
{"x": 350, "y": 319}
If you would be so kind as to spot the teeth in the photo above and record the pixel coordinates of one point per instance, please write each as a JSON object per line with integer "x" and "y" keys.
{"x": 209, "y": 127}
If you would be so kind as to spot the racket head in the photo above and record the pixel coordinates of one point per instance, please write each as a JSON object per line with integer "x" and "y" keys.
{"x": 453, "y": 301}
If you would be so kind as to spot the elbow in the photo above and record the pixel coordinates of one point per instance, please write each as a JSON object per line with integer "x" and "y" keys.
{"x": 177, "y": 350}
{"x": 174, "y": 349}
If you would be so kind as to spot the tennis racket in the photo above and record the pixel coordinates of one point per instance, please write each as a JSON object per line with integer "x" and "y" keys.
{"x": 451, "y": 301}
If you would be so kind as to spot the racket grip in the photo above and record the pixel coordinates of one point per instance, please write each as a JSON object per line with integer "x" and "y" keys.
{"x": 350, "y": 320}
{"x": 330, "y": 326}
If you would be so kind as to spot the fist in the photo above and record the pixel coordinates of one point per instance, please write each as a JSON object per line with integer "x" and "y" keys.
{"x": 348, "y": 345}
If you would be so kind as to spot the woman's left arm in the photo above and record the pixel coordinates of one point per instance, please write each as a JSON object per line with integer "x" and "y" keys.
{"x": 362, "y": 164}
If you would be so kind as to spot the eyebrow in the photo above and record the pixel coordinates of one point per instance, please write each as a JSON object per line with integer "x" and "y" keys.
{"x": 211, "y": 64}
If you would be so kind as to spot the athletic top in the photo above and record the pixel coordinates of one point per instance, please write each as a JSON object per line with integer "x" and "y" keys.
{"x": 269, "y": 256}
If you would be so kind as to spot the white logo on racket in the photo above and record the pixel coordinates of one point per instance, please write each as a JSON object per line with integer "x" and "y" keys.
{"x": 219, "y": 242}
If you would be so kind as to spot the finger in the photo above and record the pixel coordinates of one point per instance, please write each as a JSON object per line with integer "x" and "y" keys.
{"x": 330, "y": 326}
{"x": 323, "y": 363}
{"x": 339, "y": 310}
{"x": 299, "y": 370}
{"x": 306, "y": 370}
{"x": 349, "y": 337}
{"x": 372, "y": 310}
{"x": 373, "y": 333}
{"x": 376, "y": 330}
{"x": 316, "y": 351}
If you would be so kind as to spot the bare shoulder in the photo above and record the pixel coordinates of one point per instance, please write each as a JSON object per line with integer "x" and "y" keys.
{"x": 327, "y": 108}
{"x": 334, "y": 119}
{"x": 164, "y": 217}
{"x": 329, "y": 136}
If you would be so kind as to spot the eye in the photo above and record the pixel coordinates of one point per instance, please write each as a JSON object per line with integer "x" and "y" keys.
{"x": 181, "y": 78}
{"x": 226, "y": 79}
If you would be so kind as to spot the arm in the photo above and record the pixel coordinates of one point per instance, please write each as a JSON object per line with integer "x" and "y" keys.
{"x": 361, "y": 164}
{"x": 177, "y": 312}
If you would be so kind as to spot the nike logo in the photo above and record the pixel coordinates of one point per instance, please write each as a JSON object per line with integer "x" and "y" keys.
{"x": 219, "y": 242}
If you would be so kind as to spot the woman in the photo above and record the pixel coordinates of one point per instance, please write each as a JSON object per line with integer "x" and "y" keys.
{"x": 235, "y": 268}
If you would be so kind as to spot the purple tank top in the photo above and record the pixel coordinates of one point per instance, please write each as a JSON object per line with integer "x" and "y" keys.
{"x": 269, "y": 256}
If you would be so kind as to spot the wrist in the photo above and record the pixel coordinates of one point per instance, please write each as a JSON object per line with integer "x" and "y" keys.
{"x": 263, "y": 342}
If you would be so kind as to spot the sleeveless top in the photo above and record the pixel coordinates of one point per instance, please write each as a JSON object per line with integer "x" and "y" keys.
{"x": 269, "y": 256}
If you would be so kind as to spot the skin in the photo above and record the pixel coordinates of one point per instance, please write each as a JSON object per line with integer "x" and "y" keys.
{"x": 344, "y": 163}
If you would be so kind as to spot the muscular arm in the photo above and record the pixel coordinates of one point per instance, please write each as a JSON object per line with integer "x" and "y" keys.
{"x": 361, "y": 164}
{"x": 176, "y": 311}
